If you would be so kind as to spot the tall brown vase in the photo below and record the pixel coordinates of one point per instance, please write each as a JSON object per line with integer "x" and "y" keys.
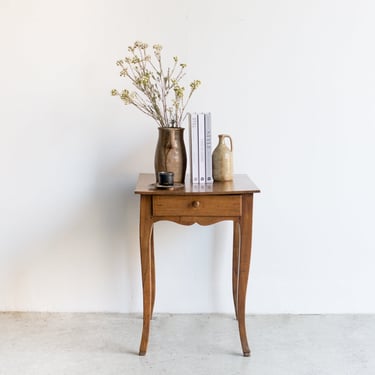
{"x": 170, "y": 153}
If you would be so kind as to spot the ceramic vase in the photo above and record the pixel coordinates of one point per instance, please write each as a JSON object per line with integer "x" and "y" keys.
{"x": 170, "y": 153}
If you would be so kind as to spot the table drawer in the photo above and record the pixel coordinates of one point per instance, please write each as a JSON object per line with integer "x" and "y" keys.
{"x": 196, "y": 205}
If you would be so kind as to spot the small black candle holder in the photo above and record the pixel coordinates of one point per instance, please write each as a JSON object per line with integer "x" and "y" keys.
{"x": 166, "y": 178}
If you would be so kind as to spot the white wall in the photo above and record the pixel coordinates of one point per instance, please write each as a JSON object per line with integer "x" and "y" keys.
{"x": 292, "y": 81}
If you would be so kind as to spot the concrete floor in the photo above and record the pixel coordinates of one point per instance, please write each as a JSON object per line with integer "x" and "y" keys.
{"x": 43, "y": 343}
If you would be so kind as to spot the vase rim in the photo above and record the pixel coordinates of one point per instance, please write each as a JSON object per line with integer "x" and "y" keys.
{"x": 171, "y": 128}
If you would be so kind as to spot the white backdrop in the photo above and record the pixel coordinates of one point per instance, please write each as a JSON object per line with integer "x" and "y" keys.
{"x": 292, "y": 81}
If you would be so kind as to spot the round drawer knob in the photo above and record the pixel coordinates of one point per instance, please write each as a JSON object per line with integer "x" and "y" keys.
{"x": 196, "y": 204}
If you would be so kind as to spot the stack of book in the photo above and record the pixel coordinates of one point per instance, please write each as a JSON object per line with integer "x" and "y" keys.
{"x": 200, "y": 148}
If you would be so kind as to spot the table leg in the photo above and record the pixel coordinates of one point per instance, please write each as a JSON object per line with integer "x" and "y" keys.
{"x": 145, "y": 237}
{"x": 235, "y": 264}
{"x": 244, "y": 267}
{"x": 153, "y": 281}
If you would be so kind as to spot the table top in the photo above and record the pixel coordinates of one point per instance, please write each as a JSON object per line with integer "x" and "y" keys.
{"x": 241, "y": 184}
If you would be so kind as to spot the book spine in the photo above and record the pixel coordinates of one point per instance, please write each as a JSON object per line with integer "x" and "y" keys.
{"x": 208, "y": 138}
{"x": 194, "y": 171}
{"x": 202, "y": 149}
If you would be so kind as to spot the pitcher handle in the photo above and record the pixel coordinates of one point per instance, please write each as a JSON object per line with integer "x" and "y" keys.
{"x": 230, "y": 140}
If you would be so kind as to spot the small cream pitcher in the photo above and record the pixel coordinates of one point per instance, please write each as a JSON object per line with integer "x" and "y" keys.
{"x": 222, "y": 160}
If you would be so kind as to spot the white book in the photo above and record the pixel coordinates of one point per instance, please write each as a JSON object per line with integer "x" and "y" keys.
{"x": 201, "y": 149}
{"x": 193, "y": 128}
{"x": 208, "y": 138}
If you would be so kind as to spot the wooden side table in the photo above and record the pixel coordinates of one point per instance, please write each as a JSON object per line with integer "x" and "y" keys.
{"x": 188, "y": 205}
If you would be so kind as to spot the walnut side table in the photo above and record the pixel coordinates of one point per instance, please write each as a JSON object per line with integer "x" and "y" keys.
{"x": 205, "y": 205}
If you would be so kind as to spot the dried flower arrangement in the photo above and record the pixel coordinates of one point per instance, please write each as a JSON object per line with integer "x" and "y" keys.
{"x": 159, "y": 93}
